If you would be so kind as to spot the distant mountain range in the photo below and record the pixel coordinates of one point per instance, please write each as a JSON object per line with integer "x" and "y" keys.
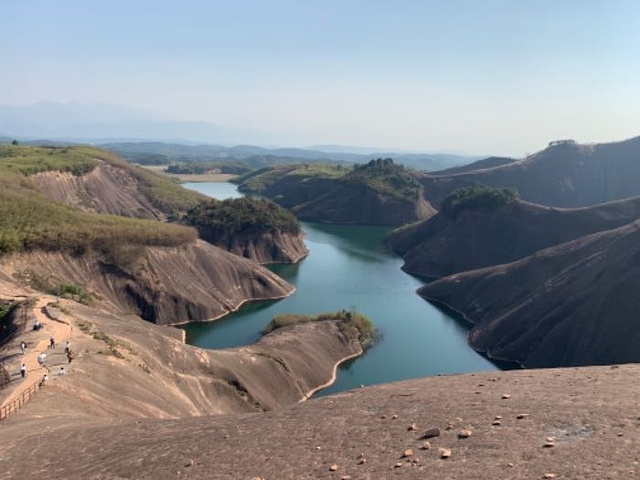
{"x": 127, "y": 130}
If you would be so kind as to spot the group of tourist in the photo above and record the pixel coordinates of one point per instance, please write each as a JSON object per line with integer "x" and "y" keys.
{"x": 42, "y": 356}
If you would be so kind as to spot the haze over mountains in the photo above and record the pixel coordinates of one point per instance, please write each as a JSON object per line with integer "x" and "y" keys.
{"x": 107, "y": 125}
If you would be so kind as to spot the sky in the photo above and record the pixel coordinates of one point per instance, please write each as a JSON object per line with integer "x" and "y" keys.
{"x": 474, "y": 76}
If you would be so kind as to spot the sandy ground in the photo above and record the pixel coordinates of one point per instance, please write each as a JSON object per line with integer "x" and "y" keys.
{"x": 61, "y": 332}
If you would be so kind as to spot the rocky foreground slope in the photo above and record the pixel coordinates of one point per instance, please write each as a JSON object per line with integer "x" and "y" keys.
{"x": 543, "y": 424}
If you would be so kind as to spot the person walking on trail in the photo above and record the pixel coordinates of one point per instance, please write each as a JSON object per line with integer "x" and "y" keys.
{"x": 41, "y": 358}
{"x": 52, "y": 342}
{"x": 67, "y": 346}
{"x": 23, "y": 347}
{"x": 23, "y": 371}
{"x": 69, "y": 355}
{"x": 62, "y": 372}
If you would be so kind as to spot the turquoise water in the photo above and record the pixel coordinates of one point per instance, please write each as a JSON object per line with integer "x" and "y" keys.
{"x": 351, "y": 267}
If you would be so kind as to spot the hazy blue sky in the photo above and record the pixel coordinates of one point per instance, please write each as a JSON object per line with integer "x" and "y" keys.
{"x": 477, "y": 76}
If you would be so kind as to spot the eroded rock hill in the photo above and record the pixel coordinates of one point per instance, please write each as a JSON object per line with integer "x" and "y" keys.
{"x": 571, "y": 304}
{"x": 565, "y": 174}
{"x": 443, "y": 244}
{"x": 125, "y": 367}
{"x": 194, "y": 282}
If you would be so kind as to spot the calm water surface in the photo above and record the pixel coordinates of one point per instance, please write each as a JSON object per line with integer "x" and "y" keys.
{"x": 351, "y": 267}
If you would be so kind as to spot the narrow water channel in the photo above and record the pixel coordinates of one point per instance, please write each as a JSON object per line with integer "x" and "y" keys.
{"x": 351, "y": 267}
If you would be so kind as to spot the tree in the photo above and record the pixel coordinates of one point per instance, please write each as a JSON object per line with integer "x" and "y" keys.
{"x": 15, "y": 142}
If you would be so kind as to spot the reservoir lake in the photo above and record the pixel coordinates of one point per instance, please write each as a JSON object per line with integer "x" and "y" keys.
{"x": 351, "y": 267}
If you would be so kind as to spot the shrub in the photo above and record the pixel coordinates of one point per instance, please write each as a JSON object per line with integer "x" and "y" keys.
{"x": 219, "y": 219}
{"x": 352, "y": 324}
{"x": 476, "y": 198}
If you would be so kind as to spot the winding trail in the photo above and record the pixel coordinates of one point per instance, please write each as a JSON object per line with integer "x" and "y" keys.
{"x": 51, "y": 328}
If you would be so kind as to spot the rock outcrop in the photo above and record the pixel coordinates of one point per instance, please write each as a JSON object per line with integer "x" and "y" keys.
{"x": 271, "y": 247}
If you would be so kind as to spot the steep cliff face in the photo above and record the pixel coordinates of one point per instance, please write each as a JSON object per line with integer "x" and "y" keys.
{"x": 572, "y": 304}
{"x": 195, "y": 282}
{"x": 443, "y": 245}
{"x": 271, "y": 247}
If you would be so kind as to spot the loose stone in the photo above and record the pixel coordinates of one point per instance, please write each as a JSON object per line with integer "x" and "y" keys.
{"x": 407, "y": 453}
{"x": 426, "y": 446}
{"x": 445, "y": 452}
{"x": 431, "y": 433}
{"x": 465, "y": 433}
{"x": 520, "y": 416}
{"x": 506, "y": 397}
{"x": 333, "y": 467}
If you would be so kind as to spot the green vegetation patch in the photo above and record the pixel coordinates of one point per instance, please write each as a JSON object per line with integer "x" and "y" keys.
{"x": 245, "y": 215}
{"x": 387, "y": 177}
{"x": 351, "y": 324}
{"x": 32, "y": 160}
{"x": 477, "y": 198}
{"x": 382, "y": 175}
{"x": 30, "y": 221}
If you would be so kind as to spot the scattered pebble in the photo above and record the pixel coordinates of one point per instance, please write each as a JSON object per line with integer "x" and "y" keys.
{"x": 549, "y": 475}
{"x": 520, "y": 416}
{"x": 550, "y": 442}
{"x": 333, "y": 467}
{"x": 445, "y": 452}
{"x": 620, "y": 434}
{"x": 345, "y": 477}
{"x": 506, "y": 397}
{"x": 362, "y": 461}
{"x": 412, "y": 427}
{"x": 407, "y": 453}
{"x": 426, "y": 446}
{"x": 498, "y": 417}
{"x": 510, "y": 465}
{"x": 383, "y": 417}
{"x": 466, "y": 433}
{"x": 394, "y": 417}
{"x": 398, "y": 465}
{"x": 431, "y": 433}
{"x": 496, "y": 423}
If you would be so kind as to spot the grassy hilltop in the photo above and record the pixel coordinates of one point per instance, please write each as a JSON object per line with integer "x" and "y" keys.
{"x": 29, "y": 220}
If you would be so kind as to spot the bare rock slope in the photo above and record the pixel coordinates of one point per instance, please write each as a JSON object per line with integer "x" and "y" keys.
{"x": 125, "y": 367}
{"x": 587, "y": 416}
{"x": 572, "y": 304}
{"x": 565, "y": 174}
{"x": 443, "y": 245}
{"x": 195, "y": 282}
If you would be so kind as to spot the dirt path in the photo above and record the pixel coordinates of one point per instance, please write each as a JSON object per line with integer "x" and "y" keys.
{"x": 58, "y": 330}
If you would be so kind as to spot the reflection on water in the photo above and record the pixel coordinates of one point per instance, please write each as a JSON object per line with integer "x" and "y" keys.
{"x": 351, "y": 267}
